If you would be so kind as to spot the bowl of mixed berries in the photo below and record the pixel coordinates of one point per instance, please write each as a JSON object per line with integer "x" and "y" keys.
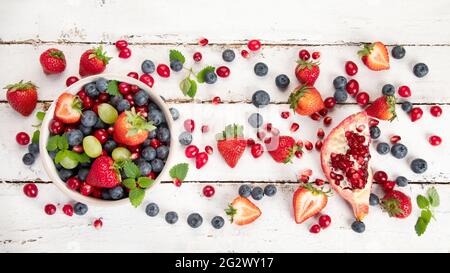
{"x": 107, "y": 139}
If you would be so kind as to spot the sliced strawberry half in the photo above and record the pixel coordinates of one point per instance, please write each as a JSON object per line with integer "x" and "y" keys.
{"x": 242, "y": 211}
{"x": 68, "y": 108}
{"x": 308, "y": 201}
{"x": 375, "y": 56}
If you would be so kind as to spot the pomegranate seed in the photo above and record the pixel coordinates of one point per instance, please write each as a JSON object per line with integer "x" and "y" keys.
{"x": 250, "y": 141}
{"x": 404, "y": 91}
{"x": 388, "y": 186}
{"x": 56, "y": 127}
{"x": 209, "y": 150}
{"x": 315, "y": 117}
{"x": 205, "y": 128}
{"x": 415, "y": 113}
{"x": 254, "y": 45}
{"x": 50, "y": 209}
{"x": 191, "y": 151}
{"x": 208, "y": 191}
{"x": 22, "y": 138}
{"x": 435, "y": 140}
{"x": 121, "y": 44}
{"x": 177, "y": 182}
{"x": 189, "y": 125}
{"x": 73, "y": 183}
{"x": 327, "y": 120}
{"x": 85, "y": 189}
{"x": 307, "y": 172}
{"x": 352, "y": 87}
{"x": 98, "y": 224}
{"x": 245, "y": 54}
{"x": 298, "y": 154}
{"x": 330, "y": 102}
{"x": 133, "y": 75}
{"x": 147, "y": 79}
{"x": 324, "y": 221}
{"x": 294, "y": 127}
{"x": 285, "y": 115}
{"x": 71, "y": 80}
{"x": 315, "y": 229}
{"x": 201, "y": 160}
{"x": 380, "y": 176}
{"x": 104, "y": 97}
{"x": 351, "y": 68}
{"x": 319, "y": 182}
{"x": 373, "y": 122}
{"x": 299, "y": 143}
{"x": 360, "y": 128}
{"x": 323, "y": 112}
{"x": 151, "y": 175}
{"x": 362, "y": 98}
{"x": 318, "y": 145}
{"x": 303, "y": 178}
{"x": 197, "y": 57}
{"x": 163, "y": 70}
{"x": 223, "y": 71}
{"x": 320, "y": 133}
{"x": 308, "y": 145}
{"x": 216, "y": 100}
{"x": 30, "y": 190}
{"x": 260, "y": 135}
{"x": 125, "y": 53}
{"x": 303, "y": 54}
{"x": 68, "y": 209}
{"x": 134, "y": 89}
{"x": 316, "y": 55}
{"x": 395, "y": 138}
{"x": 268, "y": 127}
{"x": 203, "y": 42}
{"x": 268, "y": 140}
{"x": 436, "y": 111}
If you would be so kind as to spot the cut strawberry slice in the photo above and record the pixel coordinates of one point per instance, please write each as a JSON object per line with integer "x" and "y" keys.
{"x": 375, "y": 56}
{"x": 308, "y": 201}
{"x": 242, "y": 211}
{"x": 68, "y": 108}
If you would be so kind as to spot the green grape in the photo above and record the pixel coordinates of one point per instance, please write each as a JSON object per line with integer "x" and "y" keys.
{"x": 92, "y": 147}
{"x": 68, "y": 163}
{"x": 120, "y": 153}
{"x": 108, "y": 114}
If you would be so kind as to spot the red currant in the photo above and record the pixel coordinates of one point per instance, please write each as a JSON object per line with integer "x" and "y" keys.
{"x": 318, "y": 145}
{"x": 68, "y": 209}
{"x": 223, "y": 71}
{"x": 304, "y": 54}
{"x": 416, "y": 113}
{"x": 151, "y": 175}
{"x": 352, "y": 87}
{"x": 315, "y": 229}
{"x": 101, "y": 135}
{"x": 201, "y": 160}
{"x": 73, "y": 183}
{"x": 327, "y": 120}
{"x": 436, "y": 111}
{"x": 163, "y": 70}
{"x": 362, "y": 98}
{"x": 125, "y": 53}
{"x": 330, "y": 102}
{"x": 374, "y": 122}
{"x": 209, "y": 150}
{"x": 30, "y": 190}
{"x": 98, "y": 224}
{"x": 254, "y": 45}
{"x": 245, "y": 54}
{"x": 155, "y": 143}
{"x": 257, "y": 150}
{"x": 71, "y": 80}
{"x": 323, "y": 112}
{"x": 85, "y": 189}
{"x": 88, "y": 102}
{"x": 380, "y": 176}
{"x": 147, "y": 79}
{"x": 56, "y": 127}
{"x": 435, "y": 140}
{"x": 388, "y": 186}
{"x": 133, "y": 75}
{"x": 103, "y": 97}
{"x": 203, "y": 42}
{"x": 124, "y": 88}
{"x": 316, "y": 55}
{"x": 189, "y": 125}
{"x": 351, "y": 68}
{"x": 208, "y": 191}
{"x": 404, "y": 91}
{"x": 298, "y": 154}
{"x": 285, "y": 114}
{"x": 135, "y": 149}
{"x": 324, "y": 221}
{"x": 96, "y": 192}
{"x": 191, "y": 151}
{"x": 197, "y": 57}
{"x": 50, "y": 209}
{"x": 216, "y": 100}
{"x": 121, "y": 44}
{"x": 22, "y": 138}
{"x": 294, "y": 127}
{"x": 177, "y": 182}
{"x": 320, "y": 133}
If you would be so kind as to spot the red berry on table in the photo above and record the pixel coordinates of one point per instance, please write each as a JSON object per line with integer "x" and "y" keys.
{"x": 201, "y": 160}
{"x": 380, "y": 176}
{"x": 245, "y": 54}
{"x": 223, "y": 71}
{"x": 404, "y": 91}
{"x": 315, "y": 229}
{"x": 189, "y": 125}
{"x": 205, "y": 128}
{"x": 435, "y": 140}
{"x": 362, "y": 98}
{"x": 216, "y": 100}
{"x": 298, "y": 154}
{"x": 177, "y": 182}
{"x": 257, "y": 150}
{"x": 125, "y": 53}
{"x": 319, "y": 182}
{"x": 250, "y": 141}
{"x": 304, "y": 55}
{"x": 352, "y": 87}
{"x": 191, "y": 151}
{"x": 254, "y": 45}
{"x": 101, "y": 135}
{"x": 294, "y": 127}
{"x": 315, "y": 116}
{"x": 436, "y": 111}
{"x": 415, "y": 113}
{"x": 73, "y": 183}
{"x": 56, "y": 127}
{"x": 308, "y": 145}
{"x": 68, "y": 209}
{"x": 285, "y": 115}
{"x": 30, "y": 190}
{"x": 203, "y": 42}
{"x": 329, "y": 102}
{"x": 85, "y": 189}
{"x": 22, "y": 138}
{"x": 197, "y": 57}
{"x": 71, "y": 80}
{"x": 147, "y": 79}
{"x": 163, "y": 70}
{"x": 324, "y": 221}
{"x": 208, "y": 191}
{"x": 327, "y": 120}
{"x": 22, "y": 97}
{"x": 209, "y": 150}
{"x": 133, "y": 75}
{"x": 53, "y": 61}
{"x": 316, "y": 55}
{"x": 93, "y": 61}
{"x": 388, "y": 186}
{"x": 320, "y": 133}
{"x": 323, "y": 112}
{"x": 98, "y": 224}
{"x": 121, "y": 44}
{"x": 50, "y": 209}
{"x": 318, "y": 145}
{"x": 268, "y": 126}
{"x": 395, "y": 138}
{"x": 351, "y": 68}
{"x": 373, "y": 122}
{"x": 124, "y": 88}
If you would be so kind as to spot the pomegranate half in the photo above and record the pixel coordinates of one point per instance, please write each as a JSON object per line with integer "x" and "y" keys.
{"x": 345, "y": 159}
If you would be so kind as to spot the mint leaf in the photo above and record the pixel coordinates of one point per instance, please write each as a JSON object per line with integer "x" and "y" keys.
{"x": 176, "y": 55}
{"x": 185, "y": 85}
{"x": 52, "y": 143}
{"x": 201, "y": 75}
{"x": 130, "y": 169}
{"x": 129, "y": 183}
{"x": 35, "y": 137}
{"x": 83, "y": 158}
{"x": 193, "y": 90}
{"x": 421, "y": 226}
{"x": 179, "y": 171}
{"x": 60, "y": 156}
{"x": 62, "y": 143}
{"x": 136, "y": 196}
{"x": 422, "y": 201}
{"x": 426, "y": 215}
{"x": 433, "y": 197}
{"x": 113, "y": 88}
{"x": 145, "y": 182}
{"x": 40, "y": 115}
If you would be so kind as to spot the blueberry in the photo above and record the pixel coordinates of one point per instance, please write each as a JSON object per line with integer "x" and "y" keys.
{"x": 255, "y": 120}
{"x": 141, "y": 98}
{"x": 74, "y": 137}
{"x": 148, "y": 153}
{"x": 194, "y": 220}
{"x": 419, "y": 165}
{"x": 116, "y": 193}
{"x": 282, "y": 81}
{"x": 162, "y": 152}
{"x": 339, "y": 82}
{"x": 123, "y": 105}
{"x": 156, "y": 116}
{"x": 148, "y": 67}
{"x": 270, "y": 190}
{"x": 398, "y": 52}
{"x": 152, "y": 209}
{"x": 157, "y": 165}
{"x": 388, "y": 90}
{"x": 100, "y": 124}
{"x": 185, "y": 138}
{"x": 340, "y": 95}
{"x": 28, "y": 158}
{"x": 217, "y": 222}
{"x": 105, "y": 193}
{"x": 374, "y": 132}
{"x": 383, "y": 148}
{"x": 176, "y": 65}
{"x": 420, "y": 70}
{"x": 401, "y": 181}
{"x": 89, "y": 118}
{"x": 152, "y": 134}
{"x": 163, "y": 134}
{"x": 210, "y": 77}
{"x": 257, "y": 193}
{"x": 83, "y": 173}
{"x": 80, "y": 208}
{"x": 33, "y": 148}
{"x": 260, "y": 98}
{"x": 58, "y": 166}
{"x": 65, "y": 174}
{"x": 261, "y": 69}
{"x": 52, "y": 154}
{"x": 174, "y": 112}
{"x": 145, "y": 168}
{"x": 101, "y": 84}
{"x": 399, "y": 150}
{"x": 228, "y": 55}
{"x": 358, "y": 226}
{"x": 115, "y": 100}
{"x": 245, "y": 190}
{"x": 109, "y": 146}
{"x": 85, "y": 130}
{"x": 171, "y": 217}
{"x": 374, "y": 200}
{"x": 91, "y": 90}
{"x": 152, "y": 106}
{"x": 406, "y": 106}
{"x": 85, "y": 165}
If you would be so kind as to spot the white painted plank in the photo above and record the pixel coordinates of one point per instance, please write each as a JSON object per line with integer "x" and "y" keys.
{"x": 311, "y": 21}
{"x": 25, "y": 227}
{"x": 414, "y": 135}
{"x": 242, "y": 82}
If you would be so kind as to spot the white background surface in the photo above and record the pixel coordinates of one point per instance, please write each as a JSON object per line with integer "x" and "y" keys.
{"x": 154, "y": 27}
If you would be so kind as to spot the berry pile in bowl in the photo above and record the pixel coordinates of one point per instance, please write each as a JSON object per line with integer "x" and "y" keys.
{"x": 108, "y": 140}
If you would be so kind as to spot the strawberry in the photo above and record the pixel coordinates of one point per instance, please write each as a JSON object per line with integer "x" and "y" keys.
{"x": 281, "y": 148}
{"x": 22, "y": 97}
{"x": 53, "y": 61}
{"x": 397, "y": 204}
{"x": 306, "y": 100}
{"x": 131, "y": 128}
{"x": 93, "y": 61}
{"x": 68, "y": 108}
{"x": 231, "y": 144}
{"x": 307, "y": 72}
{"x": 382, "y": 108}
{"x": 103, "y": 173}
{"x": 242, "y": 211}
{"x": 308, "y": 201}
{"x": 375, "y": 56}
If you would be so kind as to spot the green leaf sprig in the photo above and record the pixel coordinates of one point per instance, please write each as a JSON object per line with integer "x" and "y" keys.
{"x": 426, "y": 203}
{"x": 135, "y": 183}
{"x": 67, "y": 158}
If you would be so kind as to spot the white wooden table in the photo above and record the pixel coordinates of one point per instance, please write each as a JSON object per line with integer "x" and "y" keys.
{"x": 153, "y": 27}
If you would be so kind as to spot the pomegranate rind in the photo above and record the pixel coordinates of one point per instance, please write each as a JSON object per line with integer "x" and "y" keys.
{"x": 336, "y": 142}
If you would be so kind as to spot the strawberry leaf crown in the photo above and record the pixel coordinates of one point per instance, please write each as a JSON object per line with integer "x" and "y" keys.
{"x": 314, "y": 190}
{"x": 77, "y": 104}
{"x": 390, "y": 101}
{"x": 137, "y": 122}
{"x": 53, "y": 52}
{"x": 99, "y": 54}
{"x": 20, "y": 86}
{"x": 366, "y": 50}
{"x": 230, "y": 211}
{"x": 231, "y": 131}
{"x": 392, "y": 206}
{"x": 296, "y": 95}
{"x": 307, "y": 64}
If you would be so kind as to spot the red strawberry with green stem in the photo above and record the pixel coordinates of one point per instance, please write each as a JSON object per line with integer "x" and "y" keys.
{"x": 22, "y": 97}
{"x": 375, "y": 56}
{"x": 307, "y": 72}
{"x": 53, "y": 61}
{"x": 68, "y": 108}
{"x": 103, "y": 173}
{"x": 308, "y": 201}
{"x": 93, "y": 61}
{"x": 306, "y": 100}
{"x": 231, "y": 144}
{"x": 242, "y": 211}
{"x": 281, "y": 148}
{"x": 397, "y": 204}
{"x": 131, "y": 128}
{"x": 383, "y": 108}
